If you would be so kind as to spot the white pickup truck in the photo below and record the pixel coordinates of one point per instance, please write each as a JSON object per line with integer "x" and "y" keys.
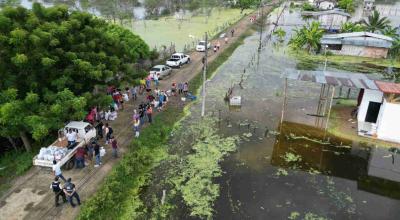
{"x": 86, "y": 133}
{"x": 178, "y": 59}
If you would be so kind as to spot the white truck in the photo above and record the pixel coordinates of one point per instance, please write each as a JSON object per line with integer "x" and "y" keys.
{"x": 178, "y": 59}
{"x": 65, "y": 154}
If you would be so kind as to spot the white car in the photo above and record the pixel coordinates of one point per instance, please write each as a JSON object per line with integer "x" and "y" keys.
{"x": 201, "y": 46}
{"x": 161, "y": 71}
{"x": 178, "y": 59}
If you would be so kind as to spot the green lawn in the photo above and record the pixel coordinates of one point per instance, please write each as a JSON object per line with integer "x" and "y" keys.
{"x": 347, "y": 60}
{"x": 169, "y": 30}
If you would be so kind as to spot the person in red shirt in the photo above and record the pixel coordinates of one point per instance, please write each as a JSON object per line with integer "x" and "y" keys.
{"x": 114, "y": 146}
{"x": 80, "y": 157}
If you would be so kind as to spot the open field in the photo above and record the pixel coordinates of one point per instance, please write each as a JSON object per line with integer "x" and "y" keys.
{"x": 169, "y": 30}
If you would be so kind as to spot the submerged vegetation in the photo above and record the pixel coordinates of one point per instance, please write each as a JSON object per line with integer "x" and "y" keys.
{"x": 198, "y": 170}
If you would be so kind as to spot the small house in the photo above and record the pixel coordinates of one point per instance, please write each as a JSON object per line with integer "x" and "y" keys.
{"x": 329, "y": 20}
{"x": 362, "y": 44}
{"x": 379, "y": 112}
{"x": 369, "y": 5}
{"x": 325, "y": 4}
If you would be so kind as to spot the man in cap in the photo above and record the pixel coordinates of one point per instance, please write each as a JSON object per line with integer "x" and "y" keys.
{"x": 70, "y": 191}
{"x": 57, "y": 189}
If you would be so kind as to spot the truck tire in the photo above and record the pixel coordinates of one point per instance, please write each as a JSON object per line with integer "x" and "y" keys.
{"x": 70, "y": 164}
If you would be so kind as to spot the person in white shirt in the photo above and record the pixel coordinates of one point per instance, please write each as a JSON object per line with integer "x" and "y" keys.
{"x": 71, "y": 137}
{"x": 57, "y": 170}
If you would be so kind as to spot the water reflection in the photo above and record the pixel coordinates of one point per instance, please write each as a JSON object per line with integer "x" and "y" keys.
{"x": 110, "y": 9}
{"x": 372, "y": 168}
{"x": 276, "y": 175}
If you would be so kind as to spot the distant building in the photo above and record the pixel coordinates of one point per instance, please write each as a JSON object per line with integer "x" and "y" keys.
{"x": 329, "y": 20}
{"x": 362, "y": 44}
{"x": 325, "y": 4}
{"x": 369, "y": 5}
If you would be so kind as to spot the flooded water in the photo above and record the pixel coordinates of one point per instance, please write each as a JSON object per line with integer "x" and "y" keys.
{"x": 295, "y": 169}
{"x": 104, "y": 8}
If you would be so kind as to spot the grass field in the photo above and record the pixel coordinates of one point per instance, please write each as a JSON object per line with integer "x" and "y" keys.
{"x": 169, "y": 30}
{"x": 348, "y": 60}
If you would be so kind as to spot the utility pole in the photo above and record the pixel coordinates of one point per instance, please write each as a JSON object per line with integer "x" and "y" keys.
{"x": 203, "y": 104}
{"x": 261, "y": 19}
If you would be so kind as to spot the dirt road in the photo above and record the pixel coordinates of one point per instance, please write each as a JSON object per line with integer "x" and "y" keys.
{"x": 30, "y": 196}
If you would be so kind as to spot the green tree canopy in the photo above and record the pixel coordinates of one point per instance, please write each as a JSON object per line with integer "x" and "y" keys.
{"x": 308, "y": 37}
{"x": 50, "y": 58}
{"x": 347, "y": 5}
{"x": 375, "y": 22}
{"x": 245, "y": 4}
{"x": 349, "y": 27}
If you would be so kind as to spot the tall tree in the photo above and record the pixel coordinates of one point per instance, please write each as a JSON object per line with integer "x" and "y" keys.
{"x": 50, "y": 58}
{"x": 375, "y": 22}
{"x": 308, "y": 37}
{"x": 246, "y": 4}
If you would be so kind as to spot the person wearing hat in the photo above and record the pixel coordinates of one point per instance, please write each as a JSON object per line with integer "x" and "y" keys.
{"x": 70, "y": 191}
{"x": 57, "y": 189}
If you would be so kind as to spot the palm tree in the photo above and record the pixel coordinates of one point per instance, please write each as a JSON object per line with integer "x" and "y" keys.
{"x": 390, "y": 32}
{"x": 395, "y": 50}
{"x": 308, "y": 36}
{"x": 375, "y": 22}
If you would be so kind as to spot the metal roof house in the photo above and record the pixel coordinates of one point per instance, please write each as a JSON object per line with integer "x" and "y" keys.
{"x": 329, "y": 20}
{"x": 379, "y": 112}
{"x": 378, "y": 101}
{"x": 363, "y": 44}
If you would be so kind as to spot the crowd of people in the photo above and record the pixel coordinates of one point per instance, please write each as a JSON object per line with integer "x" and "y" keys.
{"x": 152, "y": 99}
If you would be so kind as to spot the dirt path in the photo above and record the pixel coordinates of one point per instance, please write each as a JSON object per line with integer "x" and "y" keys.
{"x": 30, "y": 196}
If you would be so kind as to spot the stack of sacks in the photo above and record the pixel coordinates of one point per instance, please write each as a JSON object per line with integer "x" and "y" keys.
{"x": 52, "y": 153}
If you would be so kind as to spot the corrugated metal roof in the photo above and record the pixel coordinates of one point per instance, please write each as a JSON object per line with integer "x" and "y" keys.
{"x": 352, "y": 80}
{"x": 388, "y": 87}
{"x": 358, "y": 39}
{"x": 358, "y": 34}
{"x": 331, "y": 41}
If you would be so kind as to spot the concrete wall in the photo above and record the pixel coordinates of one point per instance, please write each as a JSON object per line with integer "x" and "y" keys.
{"x": 330, "y": 21}
{"x": 373, "y": 52}
{"x": 389, "y": 122}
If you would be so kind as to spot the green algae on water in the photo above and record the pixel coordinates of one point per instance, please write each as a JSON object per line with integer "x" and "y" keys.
{"x": 291, "y": 157}
{"x": 281, "y": 172}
